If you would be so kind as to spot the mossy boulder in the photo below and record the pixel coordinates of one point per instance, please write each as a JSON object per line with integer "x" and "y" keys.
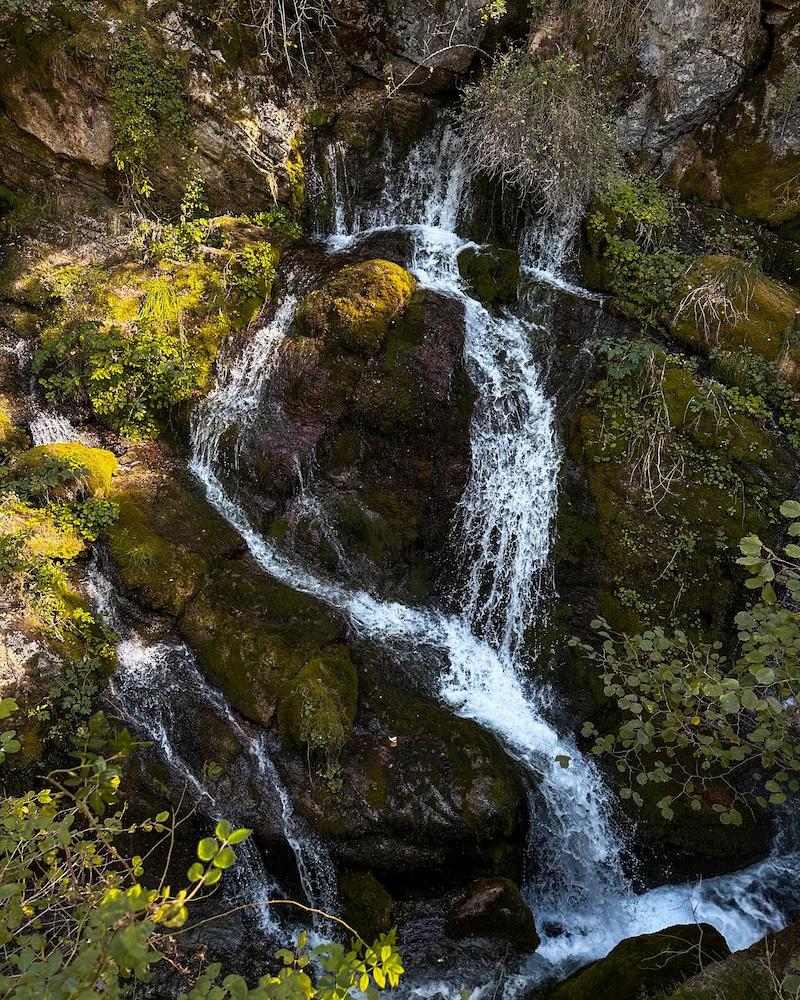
{"x": 254, "y": 635}
{"x": 176, "y": 555}
{"x": 494, "y": 908}
{"x": 748, "y": 974}
{"x": 491, "y": 273}
{"x": 366, "y": 904}
{"x": 66, "y": 470}
{"x": 647, "y": 963}
{"x": 320, "y": 708}
{"x": 12, "y": 438}
{"x": 419, "y": 786}
{"x": 155, "y": 566}
{"x": 355, "y": 308}
{"x": 761, "y": 314}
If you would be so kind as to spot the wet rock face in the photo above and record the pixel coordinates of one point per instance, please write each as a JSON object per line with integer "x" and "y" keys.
{"x": 361, "y": 448}
{"x": 693, "y": 61}
{"x": 495, "y": 909}
{"x": 749, "y": 155}
{"x": 414, "y": 786}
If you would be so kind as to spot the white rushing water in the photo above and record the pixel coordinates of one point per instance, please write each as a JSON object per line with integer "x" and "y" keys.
{"x": 579, "y": 894}
{"x": 159, "y": 688}
{"x": 48, "y": 427}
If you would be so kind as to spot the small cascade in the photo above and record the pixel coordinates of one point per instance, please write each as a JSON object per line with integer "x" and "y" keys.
{"x": 49, "y": 427}
{"x": 156, "y": 686}
{"x": 233, "y": 403}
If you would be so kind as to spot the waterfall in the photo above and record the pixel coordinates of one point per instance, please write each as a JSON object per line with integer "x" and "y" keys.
{"x": 507, "y": 507}
{"x": 48, "y": 427}
{"x": 582, "y": 901}
{"x": 156, "y": 686}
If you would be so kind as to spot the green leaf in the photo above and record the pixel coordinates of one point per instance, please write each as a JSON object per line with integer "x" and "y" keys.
{"x": 225, "y": 858}
{"x": 790, "y": 508}
{"x": 196, "y": 872}
{"x": 207, "y": 848}
{"x": 729, "y": 703}
{"x": 238, "y": 836}
{"x": 223, "y": 830}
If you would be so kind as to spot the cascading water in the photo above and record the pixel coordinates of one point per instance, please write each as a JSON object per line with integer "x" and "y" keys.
{"x": 579, "y": 894}
{"x": 156, "y": 685}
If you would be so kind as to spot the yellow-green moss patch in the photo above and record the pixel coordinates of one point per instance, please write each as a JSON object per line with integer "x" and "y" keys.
{"x": 356, "y": 306}
{"x": 727, "y": 304}
{"x": 73, "y": 468}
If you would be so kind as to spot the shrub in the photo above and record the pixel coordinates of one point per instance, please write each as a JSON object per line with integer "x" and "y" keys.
{"x": 695, "y": 719}
{"x": 77, "y": 919}
{"x": 128, "y": 380}
{"x": 542, "y": 128}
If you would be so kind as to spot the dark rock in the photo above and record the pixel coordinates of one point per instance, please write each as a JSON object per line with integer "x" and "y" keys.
{"x": 648, "y": 963}
{"x": 366, "y": 904}
{"x": 750, "y": 973}
{"x": 491, "y": 273}
{"x": 495, "y": 909}
{"x": 375, "y": 408}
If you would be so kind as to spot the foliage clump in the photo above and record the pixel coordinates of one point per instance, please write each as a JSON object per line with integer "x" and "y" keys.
{"x": 131, "y": 344}
{"x": 541, "y": 127}
{"x": 628, "y": 231}
{"x": 148, "y": 106}
{"x": 694, "y": 719}
{"x": 78, "y": 917}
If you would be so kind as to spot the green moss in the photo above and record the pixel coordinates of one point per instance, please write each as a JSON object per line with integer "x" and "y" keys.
{"x": 366, "y": 904}
{"x": 492, "y": 273}
{"x": 160, "y": 571}
{"x": 354, "y": 309}
{"x": 12, "y": 439}
{"x": 647, "y": 962}
{"x": 755, "y": 312}
{"x": 754, "y": 181}
{"x": 296, "y": 174}
{"x": 319, "y": 709}
{"x": 87, "y": 471}
{"x": 44, "y": 536}
{"x": 254, "y": 635}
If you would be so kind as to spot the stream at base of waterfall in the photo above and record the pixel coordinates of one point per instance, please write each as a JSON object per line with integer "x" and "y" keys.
{"x": 579, "y": 894}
